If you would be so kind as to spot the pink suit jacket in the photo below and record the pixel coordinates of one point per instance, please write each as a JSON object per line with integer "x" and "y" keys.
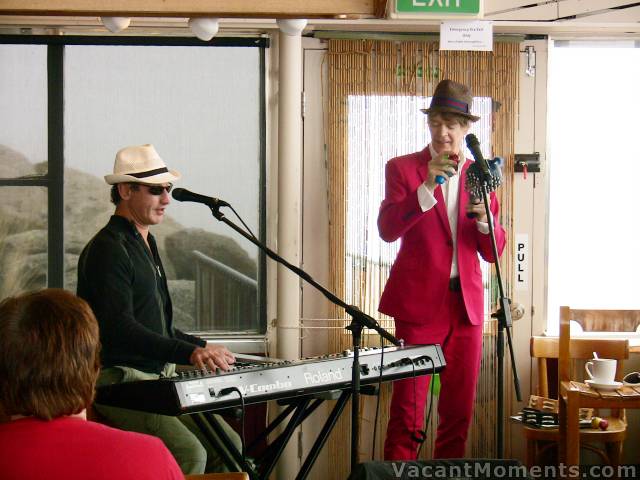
{"x": 419, "y": 277}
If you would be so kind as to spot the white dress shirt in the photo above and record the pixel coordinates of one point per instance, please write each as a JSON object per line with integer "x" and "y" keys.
{"x": 450, "y": 190}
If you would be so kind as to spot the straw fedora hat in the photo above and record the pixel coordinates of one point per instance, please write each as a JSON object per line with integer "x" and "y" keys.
{"x": 451, "y": 97}
{"x": 140, "y": 164}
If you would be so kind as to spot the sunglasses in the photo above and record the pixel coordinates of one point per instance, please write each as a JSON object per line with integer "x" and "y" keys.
{"x": 158, "y": 189}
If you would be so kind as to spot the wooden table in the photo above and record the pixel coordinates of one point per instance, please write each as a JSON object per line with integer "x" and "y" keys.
{"x": 573, "y": 395}
{"x": 576, "y": 395}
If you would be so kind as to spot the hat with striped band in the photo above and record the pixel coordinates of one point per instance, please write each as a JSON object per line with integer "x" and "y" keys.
{"x": 140, "y": 164}
{"x": 451, "y": 97}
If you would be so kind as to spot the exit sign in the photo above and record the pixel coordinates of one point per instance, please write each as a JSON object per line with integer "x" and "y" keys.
{"x": 438, "y": 8}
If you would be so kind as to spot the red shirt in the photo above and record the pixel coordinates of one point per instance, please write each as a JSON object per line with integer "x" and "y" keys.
{"x": 71, "y": 448}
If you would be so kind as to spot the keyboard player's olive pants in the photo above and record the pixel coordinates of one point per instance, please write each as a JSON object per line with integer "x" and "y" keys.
{"x": 192, "y": 451}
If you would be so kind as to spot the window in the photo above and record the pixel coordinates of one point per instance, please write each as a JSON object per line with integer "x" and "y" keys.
{"x": 202, "y": 108}
{"x": 23, "y": 168}
{"x": 593, "y": 172}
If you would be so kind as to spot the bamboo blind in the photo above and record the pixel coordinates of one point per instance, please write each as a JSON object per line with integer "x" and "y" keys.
{"x": 413, "y": 68}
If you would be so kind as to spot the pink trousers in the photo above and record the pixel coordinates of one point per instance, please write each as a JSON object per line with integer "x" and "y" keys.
{"x": 462, "y": 347}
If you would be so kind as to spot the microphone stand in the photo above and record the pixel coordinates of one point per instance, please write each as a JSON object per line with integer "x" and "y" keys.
{"x": 504, "y": 321}
{"x": 359, "y": 320}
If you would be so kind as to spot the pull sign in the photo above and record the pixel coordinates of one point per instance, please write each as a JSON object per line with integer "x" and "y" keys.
{"x": 522, "y": 262}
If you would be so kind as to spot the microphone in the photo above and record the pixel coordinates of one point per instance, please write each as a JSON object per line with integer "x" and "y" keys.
{"x": 476, "y": 176}
{"x": 184, "y": 195}
{"x": 439, "y": 178}
{"x": 474, "y": 146}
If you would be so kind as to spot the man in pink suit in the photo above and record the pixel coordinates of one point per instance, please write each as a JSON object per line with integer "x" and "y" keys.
{"x": 434, "y": 291}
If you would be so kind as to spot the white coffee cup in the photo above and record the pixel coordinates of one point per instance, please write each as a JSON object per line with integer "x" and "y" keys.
{"x": 603, "y": 370}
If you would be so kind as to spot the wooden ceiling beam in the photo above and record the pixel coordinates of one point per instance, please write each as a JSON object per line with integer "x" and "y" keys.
{"x": 194, "y": 8}
{"x": 380, "y": 8}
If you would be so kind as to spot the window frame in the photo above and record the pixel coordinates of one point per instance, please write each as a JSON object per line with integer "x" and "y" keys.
{"x": 54, "y": 178}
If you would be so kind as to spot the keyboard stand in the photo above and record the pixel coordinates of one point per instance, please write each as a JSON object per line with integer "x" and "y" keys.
{"x": 298, "y": 410}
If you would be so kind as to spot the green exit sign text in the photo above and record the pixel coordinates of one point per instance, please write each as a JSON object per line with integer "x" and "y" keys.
{"x": 438, "y": 6}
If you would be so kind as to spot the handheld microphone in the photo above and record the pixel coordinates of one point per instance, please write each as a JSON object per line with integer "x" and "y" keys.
{"x": 439, "y": 178}
{"x": 184, "y": 195}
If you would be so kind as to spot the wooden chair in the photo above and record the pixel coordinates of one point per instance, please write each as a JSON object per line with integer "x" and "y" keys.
{"x": 607, "y": 320}
{"x": 219, "y": 476}
{"x": 573, "y": 396}
{"x": 539, "y": 440}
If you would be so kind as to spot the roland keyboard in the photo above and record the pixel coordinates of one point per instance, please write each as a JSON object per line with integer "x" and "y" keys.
{"x": 197, "y": 391}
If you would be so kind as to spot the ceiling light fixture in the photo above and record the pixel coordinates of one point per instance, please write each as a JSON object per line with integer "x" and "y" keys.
{"x": 115, "y": 24}
{"x": 204, "y": 28}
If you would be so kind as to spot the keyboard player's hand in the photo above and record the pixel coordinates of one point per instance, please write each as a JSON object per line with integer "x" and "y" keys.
{"x": 212, "y": 356}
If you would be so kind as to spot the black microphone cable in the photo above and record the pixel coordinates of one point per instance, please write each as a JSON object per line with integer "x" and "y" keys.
{"x": 227, "y": 391}
{"x": 375, "y": 420}
{"x": 242, "y": 221}
{"x": 418, "y": 436}
{"x": 428, "y": 419}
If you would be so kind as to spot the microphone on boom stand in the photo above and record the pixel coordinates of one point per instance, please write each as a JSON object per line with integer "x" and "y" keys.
{"x": 479, "y": 171}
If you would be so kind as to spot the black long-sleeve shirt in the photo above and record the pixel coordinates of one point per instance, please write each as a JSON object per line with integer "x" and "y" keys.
{"x": 125, "y": 285}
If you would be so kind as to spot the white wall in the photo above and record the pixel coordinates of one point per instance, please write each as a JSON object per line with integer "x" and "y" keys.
{"x": 529, "y": 220}
{"x": 315, "y": 234}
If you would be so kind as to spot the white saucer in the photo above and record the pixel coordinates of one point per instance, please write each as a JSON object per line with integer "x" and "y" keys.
{"x": 603, "y": 386}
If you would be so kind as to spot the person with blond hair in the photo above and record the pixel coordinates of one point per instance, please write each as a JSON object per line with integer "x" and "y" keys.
{"x": 49, "y": 363}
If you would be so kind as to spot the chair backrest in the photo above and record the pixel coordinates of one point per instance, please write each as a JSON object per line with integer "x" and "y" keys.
{"x": 607, "y": 320}
{"x": 583, "y": 348}
{"x": 545, "y": 348}
{"x": 618, "y": 351}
